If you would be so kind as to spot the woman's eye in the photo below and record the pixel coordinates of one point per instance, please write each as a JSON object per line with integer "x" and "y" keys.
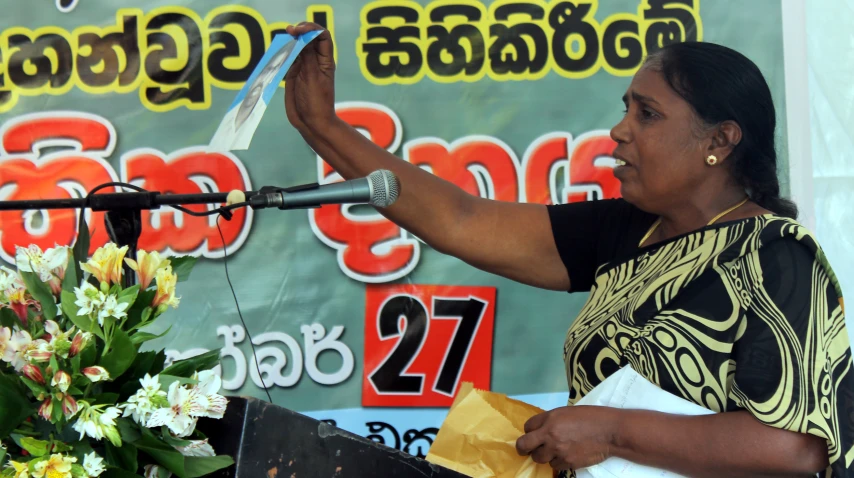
{"x": 647, "y": 114}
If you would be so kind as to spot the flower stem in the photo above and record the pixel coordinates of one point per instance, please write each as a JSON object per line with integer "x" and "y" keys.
{"x": 29, "y": 433}
{"x": 108, "y": 336}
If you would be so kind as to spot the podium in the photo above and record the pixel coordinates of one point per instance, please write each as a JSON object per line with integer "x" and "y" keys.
{"x": 268, "y": 441}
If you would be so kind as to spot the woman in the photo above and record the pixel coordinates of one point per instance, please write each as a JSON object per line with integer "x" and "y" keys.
{"x": 699, "y": 279}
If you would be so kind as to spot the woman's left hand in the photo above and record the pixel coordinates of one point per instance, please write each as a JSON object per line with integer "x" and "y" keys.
{"x": 570, "y": 438}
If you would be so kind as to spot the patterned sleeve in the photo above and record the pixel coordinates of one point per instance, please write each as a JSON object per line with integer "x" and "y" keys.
{"x": 793, "y": 366}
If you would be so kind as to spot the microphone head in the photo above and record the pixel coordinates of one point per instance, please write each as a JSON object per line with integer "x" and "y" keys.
{"x": 385, "y": 188}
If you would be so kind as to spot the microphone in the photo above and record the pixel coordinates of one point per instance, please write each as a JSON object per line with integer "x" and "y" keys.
{"x": 380, "y": 188}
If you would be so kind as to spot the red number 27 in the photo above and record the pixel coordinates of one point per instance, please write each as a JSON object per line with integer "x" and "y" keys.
{"x": 422, "y": 341}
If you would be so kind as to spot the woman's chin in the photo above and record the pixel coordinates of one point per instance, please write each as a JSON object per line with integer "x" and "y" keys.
{"x": 628, "y": 192}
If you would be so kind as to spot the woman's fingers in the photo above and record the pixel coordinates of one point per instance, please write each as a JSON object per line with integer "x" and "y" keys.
{"x": 527, "y": 443}
{"x": 321, "y": 46}
{"x": 536, "y": 422}
{"x": 302, "y": 27}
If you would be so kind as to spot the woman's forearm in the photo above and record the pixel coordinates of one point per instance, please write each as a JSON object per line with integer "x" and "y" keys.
{"x": 428, "y": 206}
{"x": 725, "y": 444}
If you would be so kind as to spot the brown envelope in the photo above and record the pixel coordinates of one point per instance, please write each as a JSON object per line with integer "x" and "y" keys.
{"x": 478, "y": 437}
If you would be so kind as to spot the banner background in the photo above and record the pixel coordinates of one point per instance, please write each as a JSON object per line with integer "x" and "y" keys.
{"x": 285, "y": 277}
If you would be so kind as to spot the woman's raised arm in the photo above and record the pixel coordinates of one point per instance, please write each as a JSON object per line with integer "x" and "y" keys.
{"x": 513, "y": 240}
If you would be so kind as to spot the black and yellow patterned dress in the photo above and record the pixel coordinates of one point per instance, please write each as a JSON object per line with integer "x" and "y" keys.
{"x": 742, "y": 315}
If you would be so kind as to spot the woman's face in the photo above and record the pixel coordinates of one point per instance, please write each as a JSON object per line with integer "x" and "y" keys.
{"x": 662, "y": 144}
{"x": 248, "y": 105}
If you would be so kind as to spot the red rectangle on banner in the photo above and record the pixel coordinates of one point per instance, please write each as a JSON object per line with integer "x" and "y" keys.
{"x": 422, "y": 341}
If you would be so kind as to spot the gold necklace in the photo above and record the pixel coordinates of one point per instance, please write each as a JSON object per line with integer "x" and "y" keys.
{"x": 714, "y": 220}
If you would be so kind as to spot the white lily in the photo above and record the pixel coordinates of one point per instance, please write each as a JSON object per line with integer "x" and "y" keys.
{"x": 7, "y": 351}
{"x": 197, "y": 448}
{"x": 89, "y": 299}
{"x": 33, "y": 259}
{"x": 208, "y": 387}
{"x": 98, "y": 424}
{"x": 154, "y": 471}
{"x": 38, "y": 351}
{"x": 20, "y": 344}
{"x": 112, "y": 308}
{"x": 9, "y": 279}
{"x": 185, "y": 406}
{"x": 93, "y": 465}
{"x": 146, "y": 400}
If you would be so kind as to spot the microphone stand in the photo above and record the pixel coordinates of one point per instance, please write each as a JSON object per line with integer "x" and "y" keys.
{"x": 123, "y": 218}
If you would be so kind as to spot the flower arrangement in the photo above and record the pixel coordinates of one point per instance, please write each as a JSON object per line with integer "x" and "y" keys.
{"x": 77, "y": 396}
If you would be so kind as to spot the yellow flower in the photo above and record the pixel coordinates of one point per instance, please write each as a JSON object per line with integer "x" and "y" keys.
{"x": 57, "y": 466}
{"x": 146, "y": 266}
{"x": 166, "y": 283}
{"x": 106, "y": 263}
{"x": 21, "y": 469}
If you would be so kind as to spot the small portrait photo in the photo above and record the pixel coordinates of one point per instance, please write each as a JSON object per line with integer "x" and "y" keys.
{"x": 237, "y": 128}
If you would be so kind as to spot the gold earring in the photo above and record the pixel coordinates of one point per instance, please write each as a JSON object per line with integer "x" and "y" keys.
{"x": 711, "y": 160}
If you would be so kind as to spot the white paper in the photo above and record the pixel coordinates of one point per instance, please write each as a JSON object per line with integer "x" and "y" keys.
{"x": 237, "y": 128}
{"x": 629, "y": 390}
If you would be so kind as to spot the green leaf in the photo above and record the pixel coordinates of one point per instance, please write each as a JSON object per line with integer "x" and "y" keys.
{"x": 159, "y": 363}
{"x": 121, "y": 355}
{"x": 56, "y": 413}
{"x": 142, "y": 337}
{"x": 123, "y": 457}
{"x": 164, "y": 454}
{"x": 146, "y": 314}
{"x": 75, "y": 364}
{"x": 54, "y": 366}
{"x": 2, "y": 455}
{"x": 128, "y": 296}
{"x": 167, "y": 380}
{"x": 167, "y": 437}
{"x": 33, "y": 386}
{"x": 9, "y": 319}
{"x": 137, "y": 309}
{"x": 71, "y": 279}
{"x": 41, "y": 292}
{"x": 59, "y": 447}
{"x": 35, "y": 447}
{"x": 83, "y": 322}
{"x": 81, "y": 448}
{"x": 14, "y": 406}
{"x": 141, "y": 366}
{"x": 17, "y": 439}
{"x": 77, "y": 471}
{"x": 203, "y": 465}
{"x": 105, "y": 399}
{"x": 186, "y": 368}
{"x": 88, "y": 356}
{"x": 128, "y": 430}
{"x": 182, "y": 266}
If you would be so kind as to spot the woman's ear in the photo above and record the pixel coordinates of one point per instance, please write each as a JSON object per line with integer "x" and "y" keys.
{"x": 725, "y": 137}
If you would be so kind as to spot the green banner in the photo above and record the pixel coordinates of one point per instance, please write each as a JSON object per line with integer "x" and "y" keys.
{"x": 354, "y": 319}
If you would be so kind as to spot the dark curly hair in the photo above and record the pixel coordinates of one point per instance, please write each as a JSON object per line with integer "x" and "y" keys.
{"x": 721, "y": 84}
